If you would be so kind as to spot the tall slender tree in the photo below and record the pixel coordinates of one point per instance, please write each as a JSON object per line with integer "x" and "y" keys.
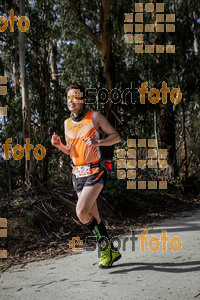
{"x": 25, "y": 96}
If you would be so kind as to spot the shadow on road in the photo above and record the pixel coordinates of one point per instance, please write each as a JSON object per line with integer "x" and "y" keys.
{"x": 160, "y": 267}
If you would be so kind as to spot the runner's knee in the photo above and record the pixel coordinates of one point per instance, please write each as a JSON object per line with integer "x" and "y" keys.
{"x": 81, "y": 213}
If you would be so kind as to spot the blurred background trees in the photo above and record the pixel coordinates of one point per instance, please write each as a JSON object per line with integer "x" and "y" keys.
{"x": 83, "y": 42}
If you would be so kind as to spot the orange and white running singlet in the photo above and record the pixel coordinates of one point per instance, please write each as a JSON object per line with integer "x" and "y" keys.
{"x": 75, "y": 132}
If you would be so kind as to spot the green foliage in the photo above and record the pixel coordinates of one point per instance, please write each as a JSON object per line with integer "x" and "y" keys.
{"x": 33, "y": 218}
{"x": 113, "y": 186}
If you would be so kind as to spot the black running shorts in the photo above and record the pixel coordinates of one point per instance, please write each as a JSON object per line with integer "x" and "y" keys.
{"x": 80, "y": 183}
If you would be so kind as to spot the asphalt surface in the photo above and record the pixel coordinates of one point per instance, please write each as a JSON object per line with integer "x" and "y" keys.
{"x": 137, "y": 275}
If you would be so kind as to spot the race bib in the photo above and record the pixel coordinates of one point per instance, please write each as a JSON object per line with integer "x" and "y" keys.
{"x": 83, "y": 171}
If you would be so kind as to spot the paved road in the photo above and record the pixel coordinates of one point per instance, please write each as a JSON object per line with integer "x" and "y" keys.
{"x": 138, "y": 275}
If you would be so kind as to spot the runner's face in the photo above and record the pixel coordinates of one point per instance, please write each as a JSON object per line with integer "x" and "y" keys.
{"x": 75, "y": 100}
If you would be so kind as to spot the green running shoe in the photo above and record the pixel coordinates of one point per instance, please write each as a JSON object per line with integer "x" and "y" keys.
{"x": 116, "y": 255}
{"x": 106, "y": 254}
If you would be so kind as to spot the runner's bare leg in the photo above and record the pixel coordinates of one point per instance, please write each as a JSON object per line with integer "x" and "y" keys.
{"x": 94, "y": 209}
{"x": 86, "y": 206}
{"x": 95, "y": 212}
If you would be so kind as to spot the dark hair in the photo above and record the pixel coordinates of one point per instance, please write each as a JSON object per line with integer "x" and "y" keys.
{"x": 76, "y": 86}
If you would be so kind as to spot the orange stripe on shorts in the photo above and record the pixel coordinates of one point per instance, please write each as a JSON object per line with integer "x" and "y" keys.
{"x": 98, "y": 176}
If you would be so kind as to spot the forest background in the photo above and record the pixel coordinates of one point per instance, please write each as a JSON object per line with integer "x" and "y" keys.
{"x": 84, "y": 42}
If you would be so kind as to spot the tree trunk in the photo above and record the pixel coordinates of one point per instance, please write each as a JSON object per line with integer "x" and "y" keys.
{"x": 105, "y": 51}
{"x": 15, "y": 63}
{"x": 185, "y": 164}
{"x": 194, "y": 30}
{"x": 167, "y": 119}
{"x": 104, "y": 45}
{"x": 45, "y": 101}
{"x": 53, "y": 58}
{"x": 24, "y": 90}
{"x": 9, "y": 176}
{"x": 167, "y": 136}
{"x": 104, "y": 48}
{"x": 194, "y": 27}
{"x": 107, "y": 68}
{"x": 155, "y": 128}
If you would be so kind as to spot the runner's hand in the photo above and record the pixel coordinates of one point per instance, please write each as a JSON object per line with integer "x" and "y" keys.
{"x": 90, "y": 142}
{"x": 55, "y": 140}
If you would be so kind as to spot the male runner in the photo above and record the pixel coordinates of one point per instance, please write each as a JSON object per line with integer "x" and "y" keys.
{"x": 89, "y": 172}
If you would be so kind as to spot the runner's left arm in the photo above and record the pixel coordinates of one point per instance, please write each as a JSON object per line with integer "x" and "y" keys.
{"x": 112, "y": 136}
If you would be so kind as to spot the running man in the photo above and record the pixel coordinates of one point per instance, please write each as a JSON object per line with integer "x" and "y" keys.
{"x": 89, "y": 172}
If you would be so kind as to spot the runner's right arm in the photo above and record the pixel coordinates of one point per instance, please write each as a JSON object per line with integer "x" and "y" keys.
{"x": 56, "y": 142}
